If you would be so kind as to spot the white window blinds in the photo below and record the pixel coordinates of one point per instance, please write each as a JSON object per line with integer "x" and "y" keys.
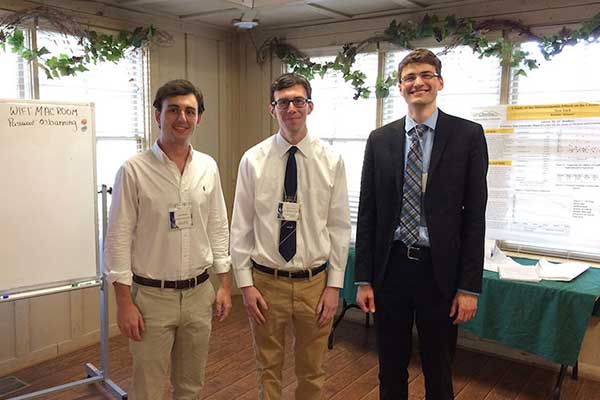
{"x": 117, "y": 89}
{"x": 569, "y": 77}
{"x": 343, "y": 122}
{"x": 469, "y": 81}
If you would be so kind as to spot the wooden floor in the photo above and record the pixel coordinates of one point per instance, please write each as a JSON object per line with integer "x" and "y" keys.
{"x": 351, "y": 370}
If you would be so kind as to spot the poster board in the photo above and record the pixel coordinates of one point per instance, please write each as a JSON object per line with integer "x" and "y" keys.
{"x": 48, "y": 207}
{"x": 544, "y": 174}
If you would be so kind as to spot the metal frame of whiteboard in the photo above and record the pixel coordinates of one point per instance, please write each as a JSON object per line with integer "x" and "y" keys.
{"x": 94, "y": 375}
{"x": 38, "y": 290}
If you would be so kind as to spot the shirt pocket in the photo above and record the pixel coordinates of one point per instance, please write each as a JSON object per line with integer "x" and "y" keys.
{"x": 316, "y": 206}
{"x": 268, "y": 195}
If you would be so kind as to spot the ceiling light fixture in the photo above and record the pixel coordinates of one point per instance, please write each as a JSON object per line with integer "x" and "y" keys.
{"x": 248, "y": 20}
{"x": 245, "y": 25}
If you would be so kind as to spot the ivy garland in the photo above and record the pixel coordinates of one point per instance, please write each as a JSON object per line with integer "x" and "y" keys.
{"x": 96, "y": 47}
{"x": 455, "y": 31}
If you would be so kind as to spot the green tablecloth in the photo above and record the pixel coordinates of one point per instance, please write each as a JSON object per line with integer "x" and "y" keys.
{"x": 348, "y": 292}
{"x": 546, "y": 318}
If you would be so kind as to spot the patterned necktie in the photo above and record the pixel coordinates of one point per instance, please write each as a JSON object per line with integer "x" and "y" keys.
{"x": 287, "y": 232}
{"x": 410, "y": 215}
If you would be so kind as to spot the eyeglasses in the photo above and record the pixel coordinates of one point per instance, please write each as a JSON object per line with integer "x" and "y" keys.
{"x": 425, "y": 76}
{"x": 283, "y": 104}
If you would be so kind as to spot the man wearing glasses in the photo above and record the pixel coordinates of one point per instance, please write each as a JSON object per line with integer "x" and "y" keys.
{"x": 289, "y": 241}
{"x": 420, "y": 233}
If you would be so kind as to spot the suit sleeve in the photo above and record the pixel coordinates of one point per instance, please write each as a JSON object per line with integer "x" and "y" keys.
{"x": 473, "y": 226}
{"x": 367, "y": 217}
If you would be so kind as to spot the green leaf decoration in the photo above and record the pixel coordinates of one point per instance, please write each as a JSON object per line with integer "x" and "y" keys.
{"x": 97, "y": 47}
{"x": 450, "y": 29}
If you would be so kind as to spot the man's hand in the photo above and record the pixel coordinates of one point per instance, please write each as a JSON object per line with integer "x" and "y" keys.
{"x": 223, "y": 298}
{"x": 254, "y": 301}
{"x": 365, "y": 298}
{"x": 464, "y": 307}
{"x": 327, "y": 306}
{"x": 130, "y": 322}
{"x": 222, "y": 303}
{"x": 129, "y": 318}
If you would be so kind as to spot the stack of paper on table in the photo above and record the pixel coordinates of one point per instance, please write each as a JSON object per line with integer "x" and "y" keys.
{"x": 509, "y": 269}
{"x": 519, "y": 272}
{"x": 561, "y": 271}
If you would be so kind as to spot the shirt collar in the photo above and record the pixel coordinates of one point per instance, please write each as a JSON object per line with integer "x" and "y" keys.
{"x": 429, "y": 122}
{"x": 161, "y": 156}
{"x": 283, "y": 145}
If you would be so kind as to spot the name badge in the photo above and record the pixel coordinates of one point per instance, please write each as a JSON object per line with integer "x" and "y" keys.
{"x": 180, "y": 217}
{"x": 288, "y": 211}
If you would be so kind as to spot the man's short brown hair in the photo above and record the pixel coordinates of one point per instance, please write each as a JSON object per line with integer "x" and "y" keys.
{"x": 288, "y": 80}
{"x": 420, "y": 56}
{"x": 178, "y": 87}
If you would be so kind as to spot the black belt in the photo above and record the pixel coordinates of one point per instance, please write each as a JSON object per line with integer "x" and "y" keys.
{"x": 183, "y": 284}
{"x": 414, "y": 253}
{"x": 307, "y": 273}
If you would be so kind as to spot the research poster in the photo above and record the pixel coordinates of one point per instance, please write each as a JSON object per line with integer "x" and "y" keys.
{"x": 544, "y": 174}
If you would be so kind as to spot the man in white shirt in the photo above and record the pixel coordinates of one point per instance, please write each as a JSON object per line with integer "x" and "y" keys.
{"x": 167, "y": 228}
{"x": 289, "y": 241}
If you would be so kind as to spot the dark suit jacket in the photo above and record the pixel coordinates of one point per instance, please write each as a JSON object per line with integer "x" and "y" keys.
{"x": 454, "y": 203}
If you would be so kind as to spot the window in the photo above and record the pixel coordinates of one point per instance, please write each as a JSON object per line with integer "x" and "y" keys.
{"x": 16, "y": 80}
{"x": 569, "y": 77}
{"x": 117, "y": 91}
{"x": 343, "y": 122}
{"x": 469, "y": 81}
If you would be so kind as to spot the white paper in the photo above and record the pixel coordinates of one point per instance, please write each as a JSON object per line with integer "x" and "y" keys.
{"x": 561, "y": 271}
{"x": 519, "y": 273}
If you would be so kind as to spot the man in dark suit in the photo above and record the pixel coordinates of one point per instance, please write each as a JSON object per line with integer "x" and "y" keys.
{"x": 421, "y": 228}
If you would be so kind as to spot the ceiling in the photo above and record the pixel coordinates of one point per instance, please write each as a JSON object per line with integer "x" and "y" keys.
{"x": 280, "y": 13}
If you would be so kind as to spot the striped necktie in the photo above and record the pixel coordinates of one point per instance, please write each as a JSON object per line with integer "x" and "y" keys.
{"x": 410, "y": 214}
{"x": 287, "y": 231}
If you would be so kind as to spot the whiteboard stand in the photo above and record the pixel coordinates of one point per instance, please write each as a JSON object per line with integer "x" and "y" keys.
{"x": 94, "y": 374}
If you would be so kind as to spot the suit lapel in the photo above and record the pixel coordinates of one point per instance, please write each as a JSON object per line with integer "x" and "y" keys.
{"x": 397, "y": 149}
{"x": 443, "y": 130}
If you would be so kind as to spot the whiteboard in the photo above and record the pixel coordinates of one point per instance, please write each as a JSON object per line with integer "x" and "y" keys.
{"x": 48, "y": 205}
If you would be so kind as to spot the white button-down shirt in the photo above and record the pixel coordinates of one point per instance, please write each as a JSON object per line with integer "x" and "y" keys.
{"x": 139, "y": 237}
{"x": 323, "y": 231}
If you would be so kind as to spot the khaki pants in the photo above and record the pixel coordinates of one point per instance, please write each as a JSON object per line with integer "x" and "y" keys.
{"x": 295, "y": 301}
{"x": 177, "y": 329}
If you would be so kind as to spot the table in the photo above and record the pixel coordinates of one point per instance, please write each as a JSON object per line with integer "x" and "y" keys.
{"x": 545, "y": 318}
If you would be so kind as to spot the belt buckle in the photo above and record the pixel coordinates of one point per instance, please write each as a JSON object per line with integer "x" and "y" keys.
{"x": 412, "y": 253}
